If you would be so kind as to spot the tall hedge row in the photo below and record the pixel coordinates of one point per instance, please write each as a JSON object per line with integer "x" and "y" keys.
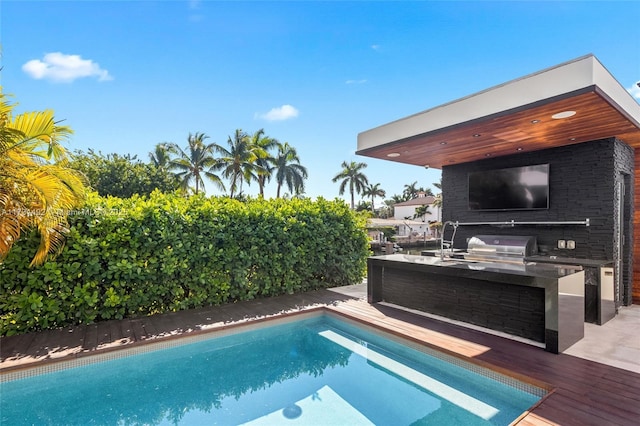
{"x": 141, "y": 256}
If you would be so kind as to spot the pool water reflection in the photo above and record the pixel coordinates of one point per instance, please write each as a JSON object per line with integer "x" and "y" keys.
{"x": 318, "y": 370}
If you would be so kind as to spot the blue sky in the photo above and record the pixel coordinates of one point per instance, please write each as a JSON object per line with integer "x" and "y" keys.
{"x": 126, "y": 75}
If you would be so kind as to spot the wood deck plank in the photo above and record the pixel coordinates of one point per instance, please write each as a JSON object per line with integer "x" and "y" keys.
{"x": 535, "y": 420}
{"x": 90, "y": 339}
{"x": 104, "y": 334}
{"x": 13, "y": 348}
{"x": 68, "y": 341}
{"x": 138, "y": 332}
{"x": 126, "y": 330}
{"x": 115, "y": 330}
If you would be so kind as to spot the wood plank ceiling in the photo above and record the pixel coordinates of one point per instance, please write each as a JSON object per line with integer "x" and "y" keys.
{"x": 525, "y": 129}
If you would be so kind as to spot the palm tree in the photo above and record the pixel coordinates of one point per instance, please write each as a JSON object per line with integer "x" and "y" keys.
{"x": 363, "y": 206}
{"x": 438, "y": 198}
{"x": 288, "y": 170}
{"x": 410, "y": 191}
{"x": 390, "y": 203}
{"x": 373, "y": 191}
{"x": 421, "y": 211}
{"x": 195, "y": 162}
{"x": 387, "y": 209}
{"x": 161, "y": 156}
{"x": 265, "y": 161}
{"x": 395, "y": 199}
{"x": 37, "y": 190}
{"x": 437, "y": 202}
{"x": 239, "y": 162}
{"x": 352, "y": 175}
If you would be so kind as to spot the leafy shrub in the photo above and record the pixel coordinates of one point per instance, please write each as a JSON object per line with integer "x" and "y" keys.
{"x": 122, "y": 175}
{"x": 141, "y": 256}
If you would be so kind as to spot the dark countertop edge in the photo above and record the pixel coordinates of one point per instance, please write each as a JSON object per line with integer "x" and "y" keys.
{"x": 486, "y": 273}
{"x": 596, "y": 263}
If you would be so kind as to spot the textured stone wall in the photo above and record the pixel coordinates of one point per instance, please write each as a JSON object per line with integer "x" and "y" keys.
{"x": 624, "y": 159}
{"x": 513, "y": 309}
{"x": 582, "y": 185}
{"x": 582, "y": 179}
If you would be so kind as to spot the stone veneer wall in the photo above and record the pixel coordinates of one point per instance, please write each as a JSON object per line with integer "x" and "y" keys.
{"x": 582, "y": 185}
{"x": 514, "y": 309}
{"x": 624, "y": 163}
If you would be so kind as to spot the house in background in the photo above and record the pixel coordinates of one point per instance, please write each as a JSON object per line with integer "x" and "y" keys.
{"x": 417, "y": 227}
{"x": 407, "y": 209}
{"x": 408, "y": 228}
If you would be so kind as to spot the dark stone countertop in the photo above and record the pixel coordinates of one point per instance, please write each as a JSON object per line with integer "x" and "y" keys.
{"x": 461, "y": 267}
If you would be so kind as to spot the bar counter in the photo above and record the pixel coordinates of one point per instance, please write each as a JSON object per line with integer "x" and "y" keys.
{"x": 538, "y": 301}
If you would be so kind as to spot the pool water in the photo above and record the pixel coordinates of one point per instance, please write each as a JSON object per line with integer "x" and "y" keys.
{"x": 315, "y": 371}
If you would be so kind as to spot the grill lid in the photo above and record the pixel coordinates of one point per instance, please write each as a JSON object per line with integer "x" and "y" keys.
{"x": 495, "y": 247}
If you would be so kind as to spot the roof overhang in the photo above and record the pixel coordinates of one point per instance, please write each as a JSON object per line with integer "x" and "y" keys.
{"x": 513, "y": 117}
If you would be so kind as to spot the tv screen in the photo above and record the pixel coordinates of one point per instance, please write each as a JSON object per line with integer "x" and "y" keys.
{"x": 515, "y": 188}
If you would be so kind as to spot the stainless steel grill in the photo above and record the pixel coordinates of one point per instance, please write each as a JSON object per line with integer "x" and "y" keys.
{"x": 501, "y": 248}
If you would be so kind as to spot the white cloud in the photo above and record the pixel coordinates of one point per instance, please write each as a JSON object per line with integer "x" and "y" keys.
{"x": 375, "y": 46}
{"x": 62, "y": 68}
{"x": 284, "y": 112}
{"x": 194, "y": 5}
{"x": 363, "y": 81}
{"x": 635, "y": 90}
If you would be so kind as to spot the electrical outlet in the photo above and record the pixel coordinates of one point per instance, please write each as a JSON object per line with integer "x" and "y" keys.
{"x": 562, "y": 244}
{"x": 571, "y": 245}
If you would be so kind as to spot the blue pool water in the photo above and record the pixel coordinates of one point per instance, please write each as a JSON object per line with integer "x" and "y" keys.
{"x": 315, "y": 371}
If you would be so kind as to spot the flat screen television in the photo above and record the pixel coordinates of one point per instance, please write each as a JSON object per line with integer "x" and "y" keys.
{"x": 515, "y": 188}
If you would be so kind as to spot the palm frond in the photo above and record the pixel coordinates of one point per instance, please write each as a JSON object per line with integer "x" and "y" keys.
{"x": 41, "y": 134}
{"x": 33, "y": 192}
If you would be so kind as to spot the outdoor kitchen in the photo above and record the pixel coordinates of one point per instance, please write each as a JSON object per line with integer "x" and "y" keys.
{"x": 537, "y": 271}
{"x": 492, "y": 284}
{"x": 538, "y": 206}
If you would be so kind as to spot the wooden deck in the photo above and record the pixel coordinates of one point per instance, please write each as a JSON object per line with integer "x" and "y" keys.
{"x": 584, "y": 392}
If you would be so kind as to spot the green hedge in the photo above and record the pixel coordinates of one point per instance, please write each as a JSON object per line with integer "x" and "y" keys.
{"x": 141, "y": 256}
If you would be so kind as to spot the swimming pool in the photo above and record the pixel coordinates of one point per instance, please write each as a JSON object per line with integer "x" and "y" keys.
{"x": 319, "y": 370}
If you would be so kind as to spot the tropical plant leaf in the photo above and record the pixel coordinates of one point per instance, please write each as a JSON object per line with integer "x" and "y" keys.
{"x": 33, "y": 192}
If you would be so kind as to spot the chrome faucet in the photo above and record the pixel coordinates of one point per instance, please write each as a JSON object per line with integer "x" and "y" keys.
{"x": 448, "y": 243}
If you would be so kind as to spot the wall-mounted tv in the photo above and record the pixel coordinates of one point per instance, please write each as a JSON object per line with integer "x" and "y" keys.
{"x": 515, "y": 188}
